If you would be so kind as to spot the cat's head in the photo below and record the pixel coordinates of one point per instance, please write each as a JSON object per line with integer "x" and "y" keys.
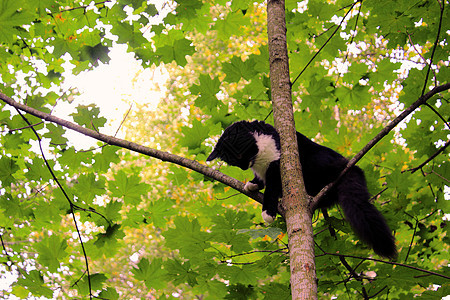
{"x": 237, "y": 146}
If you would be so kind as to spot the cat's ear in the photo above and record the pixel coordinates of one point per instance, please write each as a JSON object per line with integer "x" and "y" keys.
{"x": 213, "y": 155}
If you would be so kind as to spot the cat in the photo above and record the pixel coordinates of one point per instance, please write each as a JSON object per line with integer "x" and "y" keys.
{"x": 256, "y": 145}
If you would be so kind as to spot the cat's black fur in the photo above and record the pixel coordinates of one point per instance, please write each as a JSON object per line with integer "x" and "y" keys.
{"x": 256, "y": 145}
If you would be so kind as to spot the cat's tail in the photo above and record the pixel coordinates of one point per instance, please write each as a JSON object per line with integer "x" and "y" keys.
{"x": 368, "y": 223}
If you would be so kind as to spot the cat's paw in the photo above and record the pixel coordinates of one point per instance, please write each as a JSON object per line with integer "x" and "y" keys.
{"x": 267, "y": 218}
{"x": 250, "y": 187}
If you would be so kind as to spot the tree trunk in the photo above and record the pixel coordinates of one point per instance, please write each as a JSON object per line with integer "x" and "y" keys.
{"x": 295, "y": 200}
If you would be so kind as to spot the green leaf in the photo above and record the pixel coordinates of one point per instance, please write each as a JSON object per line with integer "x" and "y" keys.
{"x": 13, "y": 207}
{"x": 319, "y": 90}
{"x": 207, "y": 90}
{"x": 215, "y": 288}
{"x": 238, "y": 242}
{"x": 194, "y": 136}
{"x": 87, "y": 115}
{"x": 110, "y": 238}
{"x": 111, "y": 212}
{"x": 73, "y": 159}
{"x": 134, "y": 3}
{"x": 272, "y": 232}
{"x": 188, "y": 8}
{"x": 97, "y": 280}
{"x": 247, "y": 274}
{"x": 176, "y": 52}
{"x": 51, "y": 251}
{"x": 34, "y": 282}
{"x": 277, "y": 291}
{"x": 8, "y": 167}
{"x": 39, "y": 103}
{"x": 151, "y": 10}
{"x": 104, "y": 159}
{"x": 95, "y": 54}
{"x": 356, "y": 72}
{"x": 151, "y": 273}
{"x": 4, "y": 116}
{"x": 261, "y": 60}
{"x": 241, "y": 292}
{"x": 127, "y": 34}
{"x": 355, "y": 97}
{"x": 177, "y": 175}
{"x": 241, "y": 4}
{"x": 159, "y": 212}
{"x": 128, "y": 187}
{"x": 47, "y": 213}
{"x": 13, "y": 141}
{"x": 20, "y": 291}
{"x": 238, "y": 69}
{"x": 321, "y": 10}
{"x": 385, "y": 72}
{"x": 134, "y": 218}
{"x": 13, "y": 14}
{"x": 88, "y": 187}
{"x": 110, "y": 294}
{"x": 37, "y": 170}
{"x": 188, "y": 238}
{"x": 55, "y": 134}
{"x": 232, "y": 219}
{"x": 231, "y": 25}
{"x": 181, "y": 272}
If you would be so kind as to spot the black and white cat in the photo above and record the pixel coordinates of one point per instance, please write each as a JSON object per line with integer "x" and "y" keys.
{"x": 256, "y": 145}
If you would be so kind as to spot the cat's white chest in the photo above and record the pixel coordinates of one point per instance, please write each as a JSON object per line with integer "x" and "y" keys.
{"x": 267, "y": 153}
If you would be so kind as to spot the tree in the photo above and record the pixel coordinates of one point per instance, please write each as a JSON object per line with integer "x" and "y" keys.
{"x": 65, "y": 211}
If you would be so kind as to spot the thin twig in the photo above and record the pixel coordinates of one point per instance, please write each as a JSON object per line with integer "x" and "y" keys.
{"x": 123, "y": 120}
{"x": 66, "y": 196}
{"x": 386, "y": 262}
{"x": 270, "y": 252}
{"x": 4, "y": 248}
{"x": 353, "y": 35}
{"x": 429, "y": 159}
{"x": 228, "y": 197}
{"x": 418, "y": 53}
{"x": 412, "y": 237}
{"x": 25, "y": 127}
{"x": 438, "y": 114}
{"x": 83, "y": 6}
{"x": 440, "y": 176}
{"x": 378, "y": 194}
{"x": 354, "y": 275}
{"x": 436, "y": 42}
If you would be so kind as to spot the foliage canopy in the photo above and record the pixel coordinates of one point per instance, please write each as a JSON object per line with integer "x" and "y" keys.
{"x": 112, "y": 224}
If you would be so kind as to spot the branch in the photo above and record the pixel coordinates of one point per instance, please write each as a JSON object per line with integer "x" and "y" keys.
{"x": 66, "y": 196}
{"x": 82, "y": 6}
{"x": 436, "y": 42}
{"x": 354, "y": 275}
{"x": 422, "y": 100}
{"x": 161, "y": 155}
{"x": 387, "y": 262}
{"x": 429, "y": 159}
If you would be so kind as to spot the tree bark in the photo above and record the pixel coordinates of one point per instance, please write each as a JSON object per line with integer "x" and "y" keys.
{"x": 295, "y": 200}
